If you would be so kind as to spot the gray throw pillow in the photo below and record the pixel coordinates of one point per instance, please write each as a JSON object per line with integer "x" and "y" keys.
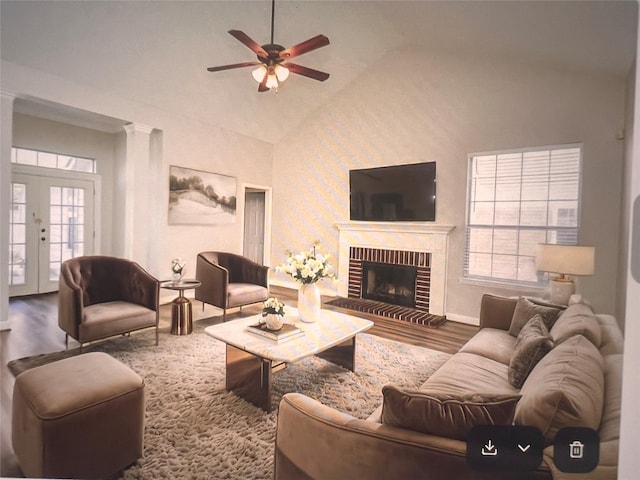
{"x": 566, "y": 389}
{"x": 447, "y": 416}
{"x": 532, "y": 344}
{"x": 526, "y": 309}
{"x": 577, "y": 319}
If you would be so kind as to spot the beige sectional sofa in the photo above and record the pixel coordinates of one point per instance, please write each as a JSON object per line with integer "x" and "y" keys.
{"x": 568, "y": 371}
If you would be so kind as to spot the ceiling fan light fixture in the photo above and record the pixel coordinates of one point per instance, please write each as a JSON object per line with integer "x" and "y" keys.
{"x": 272, "y": 82}
{"x": 259, "y": 73}
{"x": 282, "y": 73}
{"x": 270, "y": 72}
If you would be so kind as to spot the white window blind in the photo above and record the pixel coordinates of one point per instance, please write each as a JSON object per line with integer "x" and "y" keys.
{"x": 517, "y": 199}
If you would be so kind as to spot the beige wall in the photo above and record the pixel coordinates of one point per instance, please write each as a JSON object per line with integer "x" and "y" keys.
{"x": 177, "y": 139}
{"x": 428, "y": 107}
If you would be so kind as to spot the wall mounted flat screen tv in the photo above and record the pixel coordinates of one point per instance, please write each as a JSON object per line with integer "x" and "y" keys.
{"x": 398, "y": 193}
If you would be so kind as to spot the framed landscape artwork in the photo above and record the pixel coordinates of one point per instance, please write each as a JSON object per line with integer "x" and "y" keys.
{"x": 200, "y": 198}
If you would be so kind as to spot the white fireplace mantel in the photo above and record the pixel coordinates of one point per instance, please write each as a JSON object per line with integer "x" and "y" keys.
{"x": 407, "y": 236}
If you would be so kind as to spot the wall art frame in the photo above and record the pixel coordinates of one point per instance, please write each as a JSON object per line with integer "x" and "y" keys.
{"x": 197, "y": 197}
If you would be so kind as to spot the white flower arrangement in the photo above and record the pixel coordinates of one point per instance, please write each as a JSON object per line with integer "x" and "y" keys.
{"x": 177, "y": 265}
{"x": 307, "y": 267}
{"x": 273, "y": 306}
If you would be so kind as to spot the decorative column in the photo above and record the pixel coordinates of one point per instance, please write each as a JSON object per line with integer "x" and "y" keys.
{"x": 6, "y": 141}
{"x": 133, "y": 183}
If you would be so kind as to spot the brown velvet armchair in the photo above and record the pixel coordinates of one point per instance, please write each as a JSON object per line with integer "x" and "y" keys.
{"x": 229, "y": 280}
{"x": 101, "y": 296}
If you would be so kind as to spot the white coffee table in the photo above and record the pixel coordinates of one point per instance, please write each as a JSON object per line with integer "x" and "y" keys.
{"x": 251, "y": 360}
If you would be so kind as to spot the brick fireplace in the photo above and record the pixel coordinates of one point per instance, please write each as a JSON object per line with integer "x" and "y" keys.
{"x": 418, "y": 244}
{"x": 405, "y": 276}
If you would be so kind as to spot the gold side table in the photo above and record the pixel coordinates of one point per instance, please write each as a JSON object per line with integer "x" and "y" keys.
{"x": 181, "y": 312}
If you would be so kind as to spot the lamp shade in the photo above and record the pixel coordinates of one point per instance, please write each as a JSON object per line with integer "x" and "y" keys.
{"x": 566, "y": 259}
{"x": 259, "y": 73}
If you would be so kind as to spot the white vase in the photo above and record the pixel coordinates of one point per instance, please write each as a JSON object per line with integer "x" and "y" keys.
{"x": 273, "y": 321}
{"x": 309, "y": 302}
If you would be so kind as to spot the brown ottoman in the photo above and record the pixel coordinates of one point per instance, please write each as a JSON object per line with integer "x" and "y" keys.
{"x": 81, "y": 417}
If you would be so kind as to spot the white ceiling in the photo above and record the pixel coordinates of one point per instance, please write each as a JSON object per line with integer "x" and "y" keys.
{"x": 156, "y": 53}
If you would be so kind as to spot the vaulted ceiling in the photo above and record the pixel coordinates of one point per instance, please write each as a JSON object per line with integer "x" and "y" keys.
{"x": 156, "y": 53}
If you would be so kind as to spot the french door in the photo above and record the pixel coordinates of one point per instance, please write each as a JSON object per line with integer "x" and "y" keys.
{"x": 51, "y": 220}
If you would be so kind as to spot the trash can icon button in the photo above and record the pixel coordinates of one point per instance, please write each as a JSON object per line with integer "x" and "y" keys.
{"x": 576, "y": 449}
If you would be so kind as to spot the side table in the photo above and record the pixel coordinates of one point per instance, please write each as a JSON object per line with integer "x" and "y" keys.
{"x": 181, "y": 312}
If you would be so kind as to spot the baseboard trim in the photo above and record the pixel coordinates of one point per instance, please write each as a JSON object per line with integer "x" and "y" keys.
{"x": 454, "y": 317}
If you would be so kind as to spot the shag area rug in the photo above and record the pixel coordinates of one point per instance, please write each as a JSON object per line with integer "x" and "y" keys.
{"x": 196, "y": 429}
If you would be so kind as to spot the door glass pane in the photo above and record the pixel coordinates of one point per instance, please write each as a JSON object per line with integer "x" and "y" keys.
{"x": 52, "y": 160}
{"x": 67, "y": 227}
{"x": 18, "y": 235}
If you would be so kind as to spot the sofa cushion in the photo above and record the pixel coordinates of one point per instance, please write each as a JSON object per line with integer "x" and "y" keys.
{"x": 526, "y": 309}
{"x": 533, "y": 343}
{"x": 470, "y": 373}
{"x": 104, "y": 319}
{"x": 445, "y": 415}
{"x": 491, "y": 343}
{"x": 245, "y": 294}
{"x": 577, "y": 319}
{"x": 565, "y": 389}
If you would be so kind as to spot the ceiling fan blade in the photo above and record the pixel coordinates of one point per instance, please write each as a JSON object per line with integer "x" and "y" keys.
{"x": 304, "y": 47}
{"x": 306, "y": 71}
{"x": 235, "y": 65}
{"x": 253, "y": 45}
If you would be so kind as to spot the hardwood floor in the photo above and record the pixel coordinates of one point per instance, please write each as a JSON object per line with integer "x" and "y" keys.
{"x": 34, "y": 322}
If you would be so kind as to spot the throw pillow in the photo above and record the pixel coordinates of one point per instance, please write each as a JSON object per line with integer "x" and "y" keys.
{"x": 533, "y": 343}
{"x": 526, "y": 309}
{"x": 445, "y": 415}
{"x": 566, "y": 389}
{"x": 577, "y": 319}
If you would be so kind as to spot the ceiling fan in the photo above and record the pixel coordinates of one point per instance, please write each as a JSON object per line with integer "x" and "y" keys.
{"x": 273, "y": 59}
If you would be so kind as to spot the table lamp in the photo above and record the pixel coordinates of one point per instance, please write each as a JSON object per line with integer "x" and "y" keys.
{"x": 564, "y": 260}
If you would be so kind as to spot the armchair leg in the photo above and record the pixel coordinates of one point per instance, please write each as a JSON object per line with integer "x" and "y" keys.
{"x": 224, "y": 314}
{"x": 66, "y": 341}
{"x": 157, "y": 333}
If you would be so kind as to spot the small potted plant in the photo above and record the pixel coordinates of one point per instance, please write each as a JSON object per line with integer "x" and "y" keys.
{"x": 273, "y": 313}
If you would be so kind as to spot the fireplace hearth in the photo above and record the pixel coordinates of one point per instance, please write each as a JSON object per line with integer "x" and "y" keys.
{"x": 394, "y": 284}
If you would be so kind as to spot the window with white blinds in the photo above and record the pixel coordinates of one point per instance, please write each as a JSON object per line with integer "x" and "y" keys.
{"x": 517, "y": 199}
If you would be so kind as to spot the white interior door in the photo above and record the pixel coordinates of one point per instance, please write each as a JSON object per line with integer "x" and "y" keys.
{"x": 52, "y": 220}
{"x": 254, "y": 229}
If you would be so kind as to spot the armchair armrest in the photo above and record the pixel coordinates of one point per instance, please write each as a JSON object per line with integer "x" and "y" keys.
{"x": 213, "y": 278}
{"x": 70, "y": 304}
{"x": 144, "y": 289}
{"x": 255, "y": 273}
